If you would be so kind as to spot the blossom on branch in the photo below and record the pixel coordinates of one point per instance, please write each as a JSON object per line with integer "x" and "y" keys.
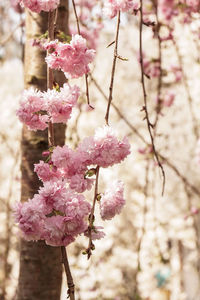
{"x": 56, "y": 215}
{"x": 37, "y": 108}
{"x": 59, "y": 104}
{"x": 104, "y": 148}
{"x": 112, "y": 201}
{"x": 112, "y": 7}
{"x": 72, "y": 58}
{"x": 39, "y": 5}
{"x": 31, "y": 108}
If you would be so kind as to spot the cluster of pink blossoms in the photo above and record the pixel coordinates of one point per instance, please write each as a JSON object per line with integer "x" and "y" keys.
{"x": 38, "y": 108}
{"x": 39, "y": 5}
{"x": 112, "y": 201}
{"x": 112, "y": 7}
{"x": 58, "y": 213}
{"x": 72, "y": 58}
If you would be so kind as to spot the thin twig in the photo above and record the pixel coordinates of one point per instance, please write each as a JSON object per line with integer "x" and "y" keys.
{"x": 159, "y": 86}
{"x": 76, "y": 16}
{"x": 149, "y": 125}
{"x": 86, "y": 75}
{"x": 113, "y": 68}
{"x": 70, "y": 283}
{"x": 91, "y": 218}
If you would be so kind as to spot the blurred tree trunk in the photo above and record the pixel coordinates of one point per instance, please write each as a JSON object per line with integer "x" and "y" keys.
{"x": 40, "y": 265}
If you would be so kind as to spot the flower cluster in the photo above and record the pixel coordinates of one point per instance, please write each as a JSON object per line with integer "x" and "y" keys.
{"x": 38, "y": 108}
{"x": 103, "y": 149}
{"x": 58, "y": 213}
{"x": 72, "y": 58}
{"x": 39, "y": 5}
{"x": 112, "y": 7}
{"x": 112, "y": 201}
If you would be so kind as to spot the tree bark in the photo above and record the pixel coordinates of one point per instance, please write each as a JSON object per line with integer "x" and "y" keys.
{"x": 40, "y": 273}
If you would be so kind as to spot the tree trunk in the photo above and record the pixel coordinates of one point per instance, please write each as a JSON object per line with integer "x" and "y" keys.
{"x": 40, "y": 265}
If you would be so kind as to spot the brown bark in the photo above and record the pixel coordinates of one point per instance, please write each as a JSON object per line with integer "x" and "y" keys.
{"x": 40, "y": 265}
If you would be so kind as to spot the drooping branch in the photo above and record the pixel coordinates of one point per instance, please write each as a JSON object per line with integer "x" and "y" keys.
{"x": 91, "y": 217}
{"x": 70, "y": 282}
{"x": 159, "y": 85}
{"x": 113, "y": 69}
{"x": 86, "y": 76}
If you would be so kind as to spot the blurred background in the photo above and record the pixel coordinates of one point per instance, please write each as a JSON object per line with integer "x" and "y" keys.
{"x": 151, "y": 251}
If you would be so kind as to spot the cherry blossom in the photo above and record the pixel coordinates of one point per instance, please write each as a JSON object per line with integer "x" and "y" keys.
{"x": 39, "y": 5}
{"x": 112, "y": 7}
{"x": 72, "y": 58}
{"x": 112, "y": 201}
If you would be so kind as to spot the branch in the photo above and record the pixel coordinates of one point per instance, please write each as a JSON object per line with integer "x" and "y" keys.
{"x": 113, "y": 69}
{"x": 91, "y": 217}
{"x": 70, "y": 282}
{"x": 159, "y": 86}
{"x": 86, "y": 76}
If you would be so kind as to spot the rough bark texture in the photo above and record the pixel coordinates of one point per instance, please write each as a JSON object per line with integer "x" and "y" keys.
{"x": 40, "y": 265}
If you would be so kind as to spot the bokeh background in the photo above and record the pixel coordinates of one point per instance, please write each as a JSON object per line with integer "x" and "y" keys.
{"x": 151, "y": 250}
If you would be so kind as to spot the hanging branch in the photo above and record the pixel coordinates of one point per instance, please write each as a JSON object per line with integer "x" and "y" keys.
{"x": 159, "y": 86}
{"x": 149, "y": 125}
{"x": 137, "y": 133}
{"x": 51, "y": 26}
{"x": 113, "y": 68}
{"x": 91, "y": 217}
{"x": 70, "y": 283}
{"x": 86, "y": 76}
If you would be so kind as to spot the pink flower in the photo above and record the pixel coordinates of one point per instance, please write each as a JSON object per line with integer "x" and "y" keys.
{"x": 177, "y": 71}
{"x": 46, "y": 172}
{"x": 72, "y": 59}
{"x": 55, "y": 233}
{"x": 16, "y": 6}
{"x": 112, "y": 201}
{"x": 53, "y": 193}
{"x": 80, "y": 184}
{"x": 168, "y": 9}
{"x": 56, "y": 215}
{"x": 112, "y": 7}
{"x": 30, "y": 216}
{"x": 60, "y": 104}
{"x": 104, "y": 149}
{"x": 63, "y": 157}
{"x": 168, "y": 99}
{"x": 30, "y": 111}
{"x": 39, "y": 5}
